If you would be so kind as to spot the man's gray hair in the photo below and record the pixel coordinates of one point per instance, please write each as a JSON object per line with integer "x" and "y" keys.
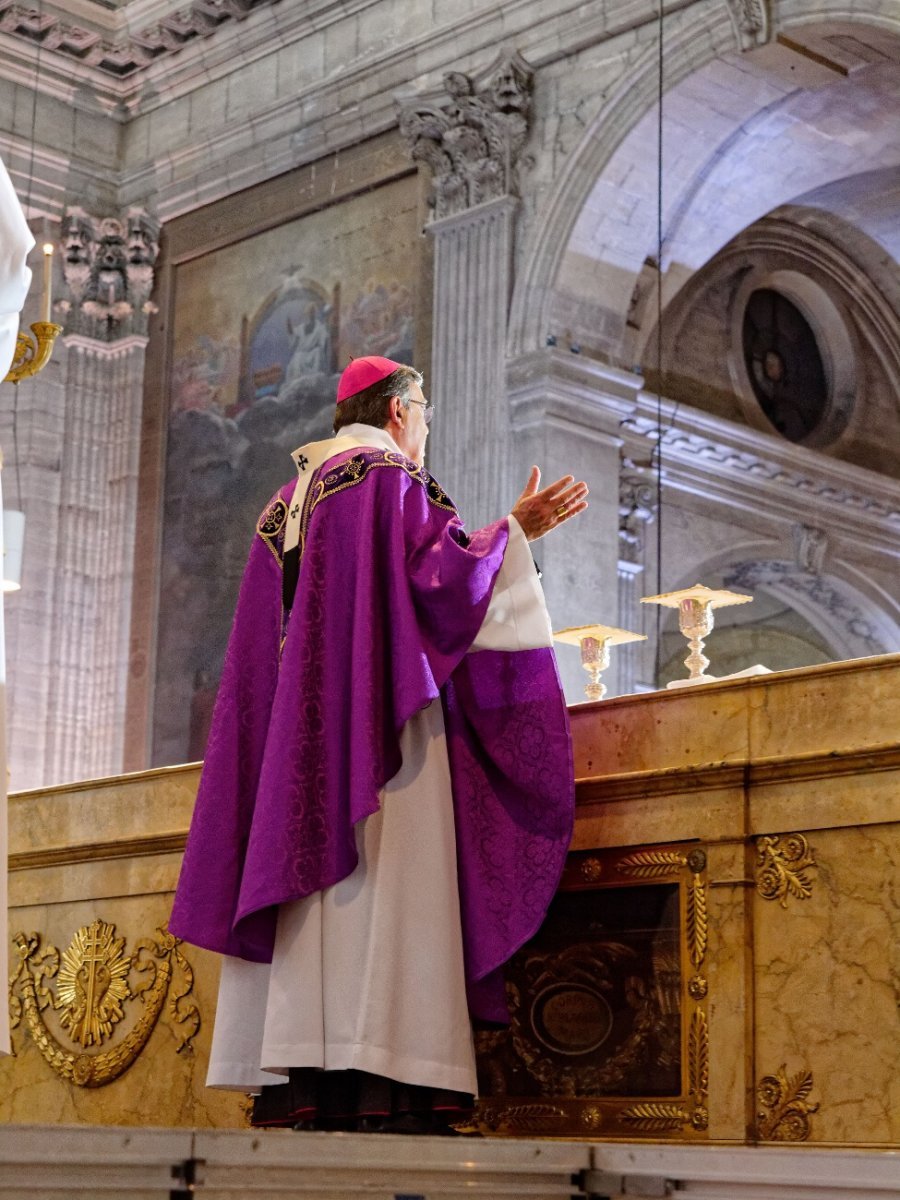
{"x": 372, "y": 406}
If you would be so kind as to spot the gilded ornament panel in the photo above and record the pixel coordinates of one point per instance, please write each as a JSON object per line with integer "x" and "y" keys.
{"x": 784, "y": 1108}
{"x": 782, "y": 868}
{"x": 609, "y": 1033}
{"x": 71, "y": 1004}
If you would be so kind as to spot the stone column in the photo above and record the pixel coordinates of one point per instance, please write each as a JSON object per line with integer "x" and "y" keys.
{"x": 472, "y": 278}
{"x": 470, "y": 135}
{"x": 108, "y": 268}
{"x": 566, "y": 416}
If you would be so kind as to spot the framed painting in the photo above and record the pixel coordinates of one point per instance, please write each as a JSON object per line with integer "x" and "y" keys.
{"x": 262, "y": 312}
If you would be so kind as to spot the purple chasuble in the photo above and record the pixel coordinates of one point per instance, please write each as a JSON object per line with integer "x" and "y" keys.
{"x": 390, "y": 595}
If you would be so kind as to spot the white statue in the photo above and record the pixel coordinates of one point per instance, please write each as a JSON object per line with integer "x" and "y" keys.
{"x": 15, "y": 276}
{"x": 310, "y": 344}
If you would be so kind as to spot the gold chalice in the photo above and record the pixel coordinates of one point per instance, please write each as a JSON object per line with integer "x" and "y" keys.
{"x": 695, "y": 620}
{"x": 594, "y": 642}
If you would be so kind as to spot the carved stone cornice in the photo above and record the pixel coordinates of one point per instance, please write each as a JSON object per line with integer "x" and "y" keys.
{"x": 108, "y": 268}
{"x": 784, "y": 769}
{"x": 731, "y": 462}
{"x": 700, "y": 450}
{"x": 121, "y": 57}
{"x": 91, "y": 852}
{"x": 551, "y": 385}
{"x": 471, "y": 134}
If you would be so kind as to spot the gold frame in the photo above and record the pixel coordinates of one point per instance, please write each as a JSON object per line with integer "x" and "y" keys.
{"x": 683, "y": 1116}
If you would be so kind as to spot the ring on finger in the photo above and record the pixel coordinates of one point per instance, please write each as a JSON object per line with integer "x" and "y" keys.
{"x": 562, "y": 510}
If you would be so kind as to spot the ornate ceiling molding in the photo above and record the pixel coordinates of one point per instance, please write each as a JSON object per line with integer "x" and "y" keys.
{"x": 121, "y": 58}
{"x": 718, "y": 458}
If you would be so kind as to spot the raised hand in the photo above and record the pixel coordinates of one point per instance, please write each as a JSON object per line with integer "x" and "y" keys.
{"x": 538, "y": 510}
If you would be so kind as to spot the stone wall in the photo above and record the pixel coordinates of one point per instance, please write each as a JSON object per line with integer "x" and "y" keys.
{"x": 185, "y": 115}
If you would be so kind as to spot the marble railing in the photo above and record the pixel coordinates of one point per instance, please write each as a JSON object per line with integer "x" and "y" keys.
{"x": 762, "y": 814}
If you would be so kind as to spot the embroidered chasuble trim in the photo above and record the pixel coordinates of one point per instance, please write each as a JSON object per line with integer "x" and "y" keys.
{"x": 271, "y": 525}
{"x": 270, "y": 528}
{"x": 354, "y": 470}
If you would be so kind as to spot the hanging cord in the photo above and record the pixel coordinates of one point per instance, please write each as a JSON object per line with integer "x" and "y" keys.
{"x": 28, "y": 195}
{"x": 659, "y": 316}
{"x": 34, "y": 92}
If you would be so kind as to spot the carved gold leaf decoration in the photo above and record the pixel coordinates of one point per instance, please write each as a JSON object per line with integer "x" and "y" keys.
{"x": 44, "y": 965}
{"x": 698, "y": 1055}
{"x": 520, "y": 1117}
{"x": 784, "y": 1110}
{"x": 650, "y": 864}
{"x": 591, "y": 1117}
{"x": 92, "y": 984}
{"x": 592, "y": 869}
{"x": 698, "y": 987}
{"x": 782, "y": 867}
{"x": 32, "y": 356}
{"x": 91, "y": 1006}
{"x": 183, "y": 1012}
{"x": 655, "y": 1115}
{"x": 697, "y": 922}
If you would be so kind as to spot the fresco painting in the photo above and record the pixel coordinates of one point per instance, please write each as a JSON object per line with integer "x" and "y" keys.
{"x": 261, "y": 330}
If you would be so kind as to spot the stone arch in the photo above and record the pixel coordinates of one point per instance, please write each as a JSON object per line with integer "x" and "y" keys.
{"x": 850, "y": 615}
{"x": 628, "y": 103}
{"x": 621, "y": 140}
{"x": 848, "y": 622}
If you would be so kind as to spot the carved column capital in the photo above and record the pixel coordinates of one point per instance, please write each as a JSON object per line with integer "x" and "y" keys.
{"x": 637, "y": 508}
{"x": 810, "y": 548}
{"x": 751, "y": 22}
{"x": 108, "y": 265}
{"x": 471, "y": 133}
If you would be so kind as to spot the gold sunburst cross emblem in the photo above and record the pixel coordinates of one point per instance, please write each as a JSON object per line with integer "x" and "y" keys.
{"x": 92, "y": 985}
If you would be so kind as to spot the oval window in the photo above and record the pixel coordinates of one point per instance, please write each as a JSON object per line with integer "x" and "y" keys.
{"x": 784, "y": 364}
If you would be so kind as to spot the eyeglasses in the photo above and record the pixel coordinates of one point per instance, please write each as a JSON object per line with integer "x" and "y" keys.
{"x": 426, "y": 406}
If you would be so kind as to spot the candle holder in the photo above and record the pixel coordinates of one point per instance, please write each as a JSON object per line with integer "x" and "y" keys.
{"x": 695, "y": 620}
{"x": 594, "y": 642}
{"x": 32, "y": 356}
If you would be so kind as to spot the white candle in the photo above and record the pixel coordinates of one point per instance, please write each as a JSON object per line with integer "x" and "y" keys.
{"x": 48, "y": 281}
